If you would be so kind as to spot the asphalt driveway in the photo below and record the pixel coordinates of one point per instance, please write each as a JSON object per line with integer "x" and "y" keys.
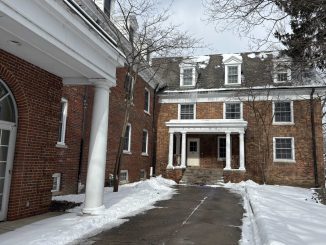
{"x": 196, "y": 215}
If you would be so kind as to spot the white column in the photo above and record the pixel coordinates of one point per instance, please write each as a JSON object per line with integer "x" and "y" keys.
{"x": 177, "y": 147}
{"x": 170, "y": 163}
{"x": 228, "y": 151}
{"x": 183, "y": 150}
{"x": 241, "y": 152}
{"x": 97, "y": 151}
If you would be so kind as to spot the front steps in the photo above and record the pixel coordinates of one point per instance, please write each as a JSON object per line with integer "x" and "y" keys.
{"x": 202, "y": 176}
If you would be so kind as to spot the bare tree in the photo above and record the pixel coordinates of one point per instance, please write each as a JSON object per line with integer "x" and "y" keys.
{"x": 142, "y": 29}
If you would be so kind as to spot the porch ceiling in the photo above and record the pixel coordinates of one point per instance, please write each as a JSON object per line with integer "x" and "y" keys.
{"x": 49, "y": 35}
{"x": 207, "y": 126}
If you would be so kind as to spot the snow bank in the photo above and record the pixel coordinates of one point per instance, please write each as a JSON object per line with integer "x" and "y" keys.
{"x": 201, "y": 61}
{"x": 280, "y": 215}
{"x": 130, "y": 200}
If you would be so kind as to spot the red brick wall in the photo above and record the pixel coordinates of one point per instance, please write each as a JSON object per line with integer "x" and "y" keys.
{"x": 37, "y": 94}
{"x": 138, "y": 119}
{"x": 299, "y": 173}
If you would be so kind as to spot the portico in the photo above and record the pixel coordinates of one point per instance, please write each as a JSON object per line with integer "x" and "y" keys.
{"x": 187, "y": 147}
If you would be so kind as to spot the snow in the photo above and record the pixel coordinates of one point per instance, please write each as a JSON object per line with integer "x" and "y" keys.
{"x": 226, "y": 57}
{"x": 201, "y": 61}
{"x": 280, "y": 215}
{"x": 130, "y": 200}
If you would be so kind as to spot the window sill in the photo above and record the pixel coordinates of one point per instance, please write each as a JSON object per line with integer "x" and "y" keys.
{"x": 283, "y": 161}
{"x": 147, "y": 112}
{"x": 61, "y": 145}
{"x": 187, "y": 86}
{"x": 232, "y": 84}
{"x": 221, "y": 159}
{"x": 144, "y": 154}
{"x": 283, "y": 123}
{"x": 53, "y": 191}
{"x": 127, "y": 152}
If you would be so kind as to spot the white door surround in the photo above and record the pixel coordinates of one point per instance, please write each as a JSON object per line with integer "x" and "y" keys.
{"x": 193, "y": 152}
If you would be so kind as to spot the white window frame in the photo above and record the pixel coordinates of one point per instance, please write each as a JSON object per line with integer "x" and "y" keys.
{"x": 292, "y": 114}
{"x": 58, "y": 177}
{"x": 287, "y": 71}
{"x": 127, "y": 177}
{"x": 184, "y": 67}
{"x": 128, "y": 151}
{"x": 293, "y": 150}
{"x": 233, "y": 102}
{"x": 64, "y": 114}
{"x": 226, "y": 78}
{"x": 218, "y": 147}
{"x": 284, "y": 69}
{"x": 179, "y": 110}
{"x": 147, "y": 110}
{"x": 145, "y": 153}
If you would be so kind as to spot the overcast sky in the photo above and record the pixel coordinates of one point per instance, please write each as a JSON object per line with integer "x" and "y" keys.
{"x": 190, "y": 13}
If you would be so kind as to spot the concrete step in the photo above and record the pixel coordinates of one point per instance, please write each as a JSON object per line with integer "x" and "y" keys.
{"x": 202, "y": 176}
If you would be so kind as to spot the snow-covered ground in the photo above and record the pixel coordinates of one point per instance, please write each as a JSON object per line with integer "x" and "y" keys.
{"x": 277, "y": 215}
{"x": 130, "y": 200}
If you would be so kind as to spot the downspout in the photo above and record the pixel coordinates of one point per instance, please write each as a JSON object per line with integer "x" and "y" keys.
{"x": 82, "y": 140}
{"x": 154, "y": 131}
{"x": 313, "y": 136}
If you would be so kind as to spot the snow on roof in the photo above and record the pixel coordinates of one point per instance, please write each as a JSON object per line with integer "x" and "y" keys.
{"x": 202, "y": 61}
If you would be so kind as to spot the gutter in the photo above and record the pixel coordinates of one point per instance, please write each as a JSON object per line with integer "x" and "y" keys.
{"x": 91, "y": 23}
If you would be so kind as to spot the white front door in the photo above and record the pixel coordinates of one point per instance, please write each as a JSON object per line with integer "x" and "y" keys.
{"x": 7, "y": 145}
{"x": 193, "y": 149}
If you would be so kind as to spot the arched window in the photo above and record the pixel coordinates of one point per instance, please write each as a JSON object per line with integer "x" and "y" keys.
{"x": 7, "y": 106}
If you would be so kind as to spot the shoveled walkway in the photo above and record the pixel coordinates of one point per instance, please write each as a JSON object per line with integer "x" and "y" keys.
{"x": 197, "y": 215}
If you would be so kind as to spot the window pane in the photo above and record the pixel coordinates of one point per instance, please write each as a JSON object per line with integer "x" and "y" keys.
{"x": 146, "y": 105}
{"x": 222, "y": 148}
{"x": 2, "y": 169}
{"x": 126, "y": 139}
{"x": 193, "y": 146}
{"x": 283, "y": 148}
{"x": 5, "y": 137}
{"x": 232, "y": 111}
{"x": 7, "y": 111}
{"x": 232, "y": 74}
{"x": 144, "y": 142}
{"x": 282, "y": 77}
{"x": 187, "y": 76}
{"x": 187, "y": 112}
{"x": 123, "y": 176}
{"x": 282, "y": 111}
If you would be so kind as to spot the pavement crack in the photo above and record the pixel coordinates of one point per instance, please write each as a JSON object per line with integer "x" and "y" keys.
{"x": 193, "y": 211}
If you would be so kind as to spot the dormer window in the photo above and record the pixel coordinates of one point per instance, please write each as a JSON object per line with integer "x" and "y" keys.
{"x": 282, "y": 71}
{"x": 187, "y": 76}
{"x": 232, "y": 64}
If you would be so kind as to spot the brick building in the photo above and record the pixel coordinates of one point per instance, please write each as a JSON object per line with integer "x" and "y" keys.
{"x": 248, "y": 115}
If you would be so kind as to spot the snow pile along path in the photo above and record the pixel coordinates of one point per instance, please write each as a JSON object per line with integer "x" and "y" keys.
{"x": 130, "y": 200}
{"x": 281, "y": 215}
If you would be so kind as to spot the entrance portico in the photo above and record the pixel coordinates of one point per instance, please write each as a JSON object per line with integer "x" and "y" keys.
{"x": 181, "y": 128}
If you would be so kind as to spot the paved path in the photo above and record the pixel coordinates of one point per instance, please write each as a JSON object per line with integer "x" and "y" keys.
{"x": 197, "y": 215}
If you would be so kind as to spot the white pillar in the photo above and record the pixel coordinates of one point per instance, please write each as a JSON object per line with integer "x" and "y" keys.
{"x": 97, "y": 151}
{"x": 228, "y": 151}
{"x": 170, "y": 163}
{"x": 177, "y": 147}
{"x": 183, "y": 150}
{"x": 241, "y": 152}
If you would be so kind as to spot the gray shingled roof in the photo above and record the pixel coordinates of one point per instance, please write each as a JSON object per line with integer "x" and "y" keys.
{"x": 256, "y": 70}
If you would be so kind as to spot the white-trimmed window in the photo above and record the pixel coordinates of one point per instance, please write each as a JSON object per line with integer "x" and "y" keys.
{"x": 283, "y": 112}
{"x": 127, "y": 139}
{"x": 283, "y": 149}
{"x": 282, "y": 72}
{"x": 63, "y": 122}
{"x": 123, "y": 178}
{"x": 221, "y": 147}
{"x": 232, "y": 110}
{"x": 144, "y": 146}
{"x": 233, "y": 74}
{"x": 142, "y": 174}
{"x": 147, "y": 100}
{"x": 187, "y": 76}
{"x": 187, "y": 111}
{"x": 56, "y": 182}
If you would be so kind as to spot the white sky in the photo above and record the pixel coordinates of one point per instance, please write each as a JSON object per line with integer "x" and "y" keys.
{"x": 190, "y": 14}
